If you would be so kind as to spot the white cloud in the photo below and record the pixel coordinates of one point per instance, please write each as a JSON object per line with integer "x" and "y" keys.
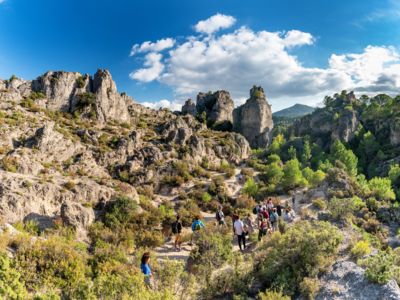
{"x": 214, "y": 23}
{"x": 237, "y": 60}
{"x": 164, "y": 103}
{"x": 148, "y": 46}
{"x": 154, "y": 68}
{"x": 298, "y": 38}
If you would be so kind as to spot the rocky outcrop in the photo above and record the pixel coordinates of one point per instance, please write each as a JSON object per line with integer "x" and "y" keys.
{"x": 189, "y": 108}
{"x": 109, "y": 104}
{"x": 71, "y": 92}
{"x": 218, "y": 108}
{"x": 254, "y": 119}
{"x": 76, "y": 215}
{"x": 347, "y": 281}
{"x": 340, "y": 121}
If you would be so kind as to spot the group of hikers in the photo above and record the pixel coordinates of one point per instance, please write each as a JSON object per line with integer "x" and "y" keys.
{"x": 267, "y": 215}
{"x": 265, "y": 218}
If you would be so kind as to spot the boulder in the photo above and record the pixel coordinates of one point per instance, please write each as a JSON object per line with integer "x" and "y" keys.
{"x": 76, "y": 215}
{"x": 254, "y": 119}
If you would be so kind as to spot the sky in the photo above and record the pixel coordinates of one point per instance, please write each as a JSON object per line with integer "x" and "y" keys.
{"x": 163, "y": 52}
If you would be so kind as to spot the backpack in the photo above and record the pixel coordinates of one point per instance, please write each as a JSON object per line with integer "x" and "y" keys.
{"x": 272, "y": 217}
{"x": 175, "y": 228}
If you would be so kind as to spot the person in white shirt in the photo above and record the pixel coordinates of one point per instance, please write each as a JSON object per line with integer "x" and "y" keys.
{"x": 238, "y": 228}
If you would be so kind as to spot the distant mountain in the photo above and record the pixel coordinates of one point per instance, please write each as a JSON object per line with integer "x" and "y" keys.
{"x": 295, "y": 111}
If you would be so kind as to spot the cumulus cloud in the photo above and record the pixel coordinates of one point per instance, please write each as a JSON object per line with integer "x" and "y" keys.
{"x": 214, "y": 23}
{"x": 154, "y": 67}
{"x": 238, "y": 59}
{"x": 148, "y": 46}
{"x": 164, "y": 103}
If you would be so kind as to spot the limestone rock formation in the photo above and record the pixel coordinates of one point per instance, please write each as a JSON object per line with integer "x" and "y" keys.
{"x": 189, "y": 108}
{"x": 71, "y": 91}
{"x": 254, "y": 119}
{"x": 218, "y": 108}
{"x": 109, "y": 103}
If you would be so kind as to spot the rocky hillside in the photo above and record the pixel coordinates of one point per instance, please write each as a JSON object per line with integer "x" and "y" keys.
{"x": 69, "y": 143}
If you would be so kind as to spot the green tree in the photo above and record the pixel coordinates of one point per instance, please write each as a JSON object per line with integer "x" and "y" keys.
{"x": 345, "y": 156}
{"x": 274, "y": 173}
{"x": 292, "y": 152}
{"x": 306, "y": 155}
{"x": 250, "y": 187}
{"x": 292, "y": 175}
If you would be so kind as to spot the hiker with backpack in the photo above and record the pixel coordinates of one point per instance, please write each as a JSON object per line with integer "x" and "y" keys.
{"x": 220, "y": 217}
{"x": 176, "y": 230}
{"x": 197, "y": 225}
{"x": 145, "y": 268}
{"x": 273, "y": 218}
{"x": 263, "y": 228}
{"x": 239, "y": 231}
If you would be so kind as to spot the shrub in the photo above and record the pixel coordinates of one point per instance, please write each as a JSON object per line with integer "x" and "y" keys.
{"x": 250, "y": 187}
{"x": 213, "y": 248}
{"x": 341, "y": 209}
{"x": 305, "y": 250}
{"x": 319, "y": 203}
{"x": 309, "y": 287}
{"x": 272, "y": 295}
{"x": 245, "y": 202}
{"x": 54, "y": 262}
{"x": 80, "y": 82}
{"x": 360, "y": 249}
{"x": 381, "y": 189}
{"x": 382, "y": 267}
{"x": 11, "y": 286}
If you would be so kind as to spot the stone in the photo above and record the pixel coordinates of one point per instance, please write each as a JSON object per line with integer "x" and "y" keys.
{"x": 76, "y": 215}
{"x": 253, "y": 119}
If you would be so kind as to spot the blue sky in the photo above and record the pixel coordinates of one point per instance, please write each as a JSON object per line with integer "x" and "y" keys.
{"x": 298, "y": 51}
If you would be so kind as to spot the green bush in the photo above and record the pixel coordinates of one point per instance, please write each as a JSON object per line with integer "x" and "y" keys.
{"x": 319, "y": 203}
{"x": 54, "y": 262}
{"x": 360, "y": 249}
{"x": 305, "y": 250}
{"x": 11, "y": 286}
{"x": 309, "y": 287}
{"x": 250, "y": 187}
{"x": 213, "y": 249}
{"x": 272, "y": 295}
{"x": 382, "y": 267}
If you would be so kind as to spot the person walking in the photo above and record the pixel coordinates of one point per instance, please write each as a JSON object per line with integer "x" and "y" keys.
{"x": 293, "y": 199}
{"x": 273, "y": 217}
{"x": 197, "y": 225}
{"x": 220, "y": 217}
{"x": 238, "y": 228}
{"x": 263, "y": 228}
{"x": 145, "y": 268}
{"x": 248, "y": 224}
{"x": 177, "y": 230}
